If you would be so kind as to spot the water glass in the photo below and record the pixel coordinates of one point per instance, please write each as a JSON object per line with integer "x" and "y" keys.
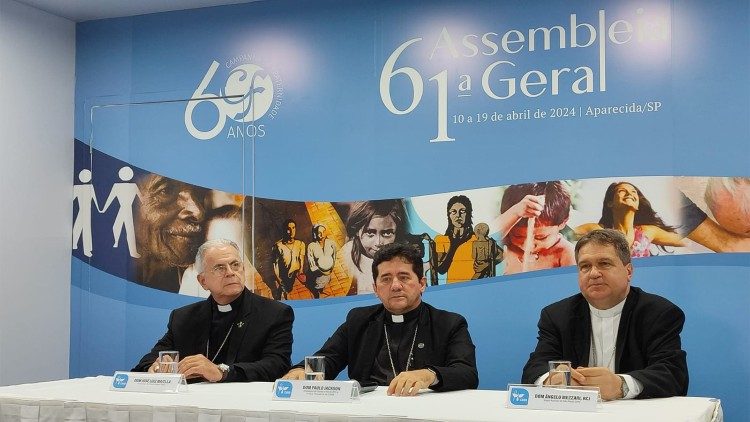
{"x": 559, "y": 373}
{"x": 315, "y": 368}
{"x": 169, "y": 361}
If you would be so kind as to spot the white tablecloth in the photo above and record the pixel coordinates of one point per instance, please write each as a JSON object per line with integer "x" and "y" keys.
{"x": 89, "y": 399}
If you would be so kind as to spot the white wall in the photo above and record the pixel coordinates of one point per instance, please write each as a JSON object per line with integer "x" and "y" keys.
{"x": 37, "y": 62}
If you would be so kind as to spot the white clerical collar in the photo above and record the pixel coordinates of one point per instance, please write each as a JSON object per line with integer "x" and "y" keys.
{"x": 608, "y": 313}
{"x": 224, "y": 308}
{"x": 409, "y": 316}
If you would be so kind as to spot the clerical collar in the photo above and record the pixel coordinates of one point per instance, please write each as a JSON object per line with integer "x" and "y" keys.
{"x": 235, "y": 304}
{"x": 397, "y": 319}
{"x": 608, "y": 313}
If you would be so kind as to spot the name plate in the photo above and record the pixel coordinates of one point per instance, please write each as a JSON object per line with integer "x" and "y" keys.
{"x": 140, "y": 382}
{"x": 317, "y": 391}
{"x": 576, "y": 399}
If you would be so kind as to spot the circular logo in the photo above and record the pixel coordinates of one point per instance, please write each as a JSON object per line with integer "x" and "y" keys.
{"x": 248, "y": 93}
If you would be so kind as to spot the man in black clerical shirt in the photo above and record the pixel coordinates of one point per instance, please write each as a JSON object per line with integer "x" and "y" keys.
{"x": 403, "y": 343}
{"x": 234, "y": 335}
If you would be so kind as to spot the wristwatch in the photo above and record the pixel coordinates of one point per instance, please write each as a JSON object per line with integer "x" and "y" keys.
{"x": 224, "y": 368}
{"x": 624, "y": 386}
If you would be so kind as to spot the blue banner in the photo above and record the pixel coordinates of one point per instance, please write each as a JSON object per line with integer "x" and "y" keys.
{"x": 314, "y": 133}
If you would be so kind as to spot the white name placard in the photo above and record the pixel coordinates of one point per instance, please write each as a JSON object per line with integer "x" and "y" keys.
{"x": 147, "y": 383}
{"x": 574, "y": 399}
{"x": 317, "y": 391}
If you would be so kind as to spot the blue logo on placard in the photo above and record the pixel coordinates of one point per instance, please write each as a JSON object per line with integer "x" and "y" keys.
{"x": 120, "y": 381}
{"x": 519, "y": 396}
{"x": 284, "y": 389}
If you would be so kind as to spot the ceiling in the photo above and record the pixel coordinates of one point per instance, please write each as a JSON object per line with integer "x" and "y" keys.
{"x": 84, "y": 10}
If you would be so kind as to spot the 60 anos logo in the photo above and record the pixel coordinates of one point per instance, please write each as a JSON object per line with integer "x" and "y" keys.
{"x": 249, "y": 93}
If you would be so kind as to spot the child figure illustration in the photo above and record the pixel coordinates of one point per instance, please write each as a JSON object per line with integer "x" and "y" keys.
{"x": 485, "y": 251}
{"x": 532, "y": 215}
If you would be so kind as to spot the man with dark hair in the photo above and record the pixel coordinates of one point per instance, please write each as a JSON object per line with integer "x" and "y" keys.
{"x": 617, "y": 337}
{"x": 403, "y": 343}
{"x": 233, "y": 335}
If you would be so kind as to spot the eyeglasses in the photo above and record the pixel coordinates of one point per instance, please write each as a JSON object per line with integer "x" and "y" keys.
{"x": 223, "y": 269}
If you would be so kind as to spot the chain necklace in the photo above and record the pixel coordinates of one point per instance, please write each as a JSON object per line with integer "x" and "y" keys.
{"x": 208, "y": 342}
{"x": 411, "y": 349}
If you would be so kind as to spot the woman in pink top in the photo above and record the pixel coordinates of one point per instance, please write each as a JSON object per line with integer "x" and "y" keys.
{"x": 626, "y": 209}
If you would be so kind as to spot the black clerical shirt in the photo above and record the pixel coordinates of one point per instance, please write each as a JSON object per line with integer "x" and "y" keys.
{"x": 221, "y": 324}
{"x": 401, "y": 339}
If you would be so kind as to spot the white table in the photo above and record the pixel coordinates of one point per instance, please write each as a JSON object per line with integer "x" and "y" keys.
{"x": 89, "y": 399}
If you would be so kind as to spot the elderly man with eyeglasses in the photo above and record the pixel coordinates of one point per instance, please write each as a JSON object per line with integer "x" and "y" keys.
{"x": 403, "y": 343}
{"x": 234, "y": 335}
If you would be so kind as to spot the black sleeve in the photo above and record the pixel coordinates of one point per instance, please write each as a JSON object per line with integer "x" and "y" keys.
{"x": 549, "y": 347}
{"x": 165, "y": 343}
{"x": 460, "y": 369}
{"x": 336, "y": 352}
{"x": 666, "y": 373}
{"x": 276, "y": 355}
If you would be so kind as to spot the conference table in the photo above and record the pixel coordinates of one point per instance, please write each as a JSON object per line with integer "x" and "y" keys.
{"x": 89, "y": 399}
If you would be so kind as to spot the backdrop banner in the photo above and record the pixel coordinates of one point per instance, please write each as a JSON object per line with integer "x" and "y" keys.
{"x": 314, "y": 133}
